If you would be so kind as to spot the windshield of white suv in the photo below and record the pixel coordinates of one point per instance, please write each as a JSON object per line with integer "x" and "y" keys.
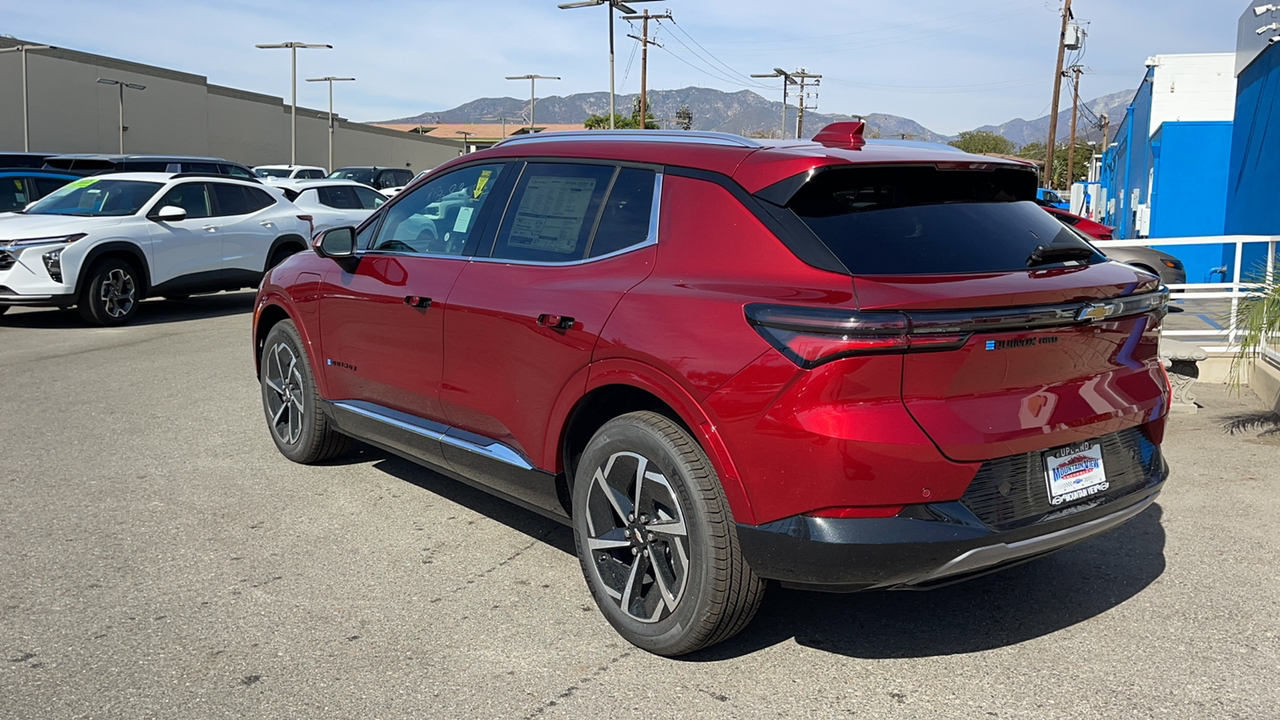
{"x": 97, "y": 197}
{"x": 272, "y": 172}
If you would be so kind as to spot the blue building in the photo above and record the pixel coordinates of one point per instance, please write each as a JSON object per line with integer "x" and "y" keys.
{"x": 1165, "y": 173}
{"x": 1253, "y": 181}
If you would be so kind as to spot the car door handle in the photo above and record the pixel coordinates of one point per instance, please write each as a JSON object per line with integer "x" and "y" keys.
{"x": 267, "y": 224}
{"x": 558, "y": 322}
{"x": 415, "y": 301}
{"x": 210, "y": 228}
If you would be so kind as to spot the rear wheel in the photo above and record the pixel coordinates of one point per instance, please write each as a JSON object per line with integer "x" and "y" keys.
{"x": 112, "y": 293}
{"x": 656, "y": 540}
{"x": 301, "y": 432}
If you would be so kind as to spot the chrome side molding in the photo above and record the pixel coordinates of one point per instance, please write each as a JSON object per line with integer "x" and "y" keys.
{"x": 445, "y": 434}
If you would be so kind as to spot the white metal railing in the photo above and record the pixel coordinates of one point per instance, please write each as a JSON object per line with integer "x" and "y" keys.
{"x": 1233, "y": 291}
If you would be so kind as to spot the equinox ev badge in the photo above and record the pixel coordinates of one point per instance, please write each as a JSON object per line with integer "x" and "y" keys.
{"x": 1095, "y": 311}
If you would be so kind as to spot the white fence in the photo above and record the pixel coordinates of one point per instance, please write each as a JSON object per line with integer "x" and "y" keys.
{"x": 1232, "y": 291}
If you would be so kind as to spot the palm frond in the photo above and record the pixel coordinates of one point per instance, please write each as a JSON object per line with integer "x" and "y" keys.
{"x": 1267, "y": 422}
{"x": 1257, "y": 322}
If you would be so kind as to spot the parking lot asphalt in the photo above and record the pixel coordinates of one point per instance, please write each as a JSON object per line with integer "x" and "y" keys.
{"x": 159, "y": 559}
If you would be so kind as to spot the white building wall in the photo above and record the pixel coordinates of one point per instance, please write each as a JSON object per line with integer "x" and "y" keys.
{"x": 1193, "y": 88}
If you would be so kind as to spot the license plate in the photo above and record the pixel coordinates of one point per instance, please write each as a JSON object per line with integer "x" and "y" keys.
{"x": 1074, "y": 472}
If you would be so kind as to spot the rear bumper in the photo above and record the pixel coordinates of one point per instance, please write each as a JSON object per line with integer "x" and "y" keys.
{"x": 927, "y": 545}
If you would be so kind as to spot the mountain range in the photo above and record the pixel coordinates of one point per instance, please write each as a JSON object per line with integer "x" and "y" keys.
{"x": 747, "y": 113}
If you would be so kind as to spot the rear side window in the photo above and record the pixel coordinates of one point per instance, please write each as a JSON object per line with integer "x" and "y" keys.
{"x": 15, "y": 193}
{"x": 625, "y": 220}
{"x": 258, "y": 199}
{"x": 369, "y": 199}
{"x": 925, "y": 221}
{"x": 553, "y": 212}
{"x": 340, "y": 197}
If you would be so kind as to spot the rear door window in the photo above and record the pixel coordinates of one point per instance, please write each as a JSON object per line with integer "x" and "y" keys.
{"x": 553, "y": 212}
{"x": 231, "y": 199}
{"x": 914, "y": 220}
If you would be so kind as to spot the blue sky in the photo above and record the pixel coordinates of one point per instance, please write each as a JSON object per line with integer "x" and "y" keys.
{"x": 949, "y": 65}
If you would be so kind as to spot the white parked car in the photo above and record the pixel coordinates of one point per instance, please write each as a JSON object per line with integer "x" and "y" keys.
{"x": 104, "y": 243}
{"x": 274, "y": 173}
{"x": 332, "y": 203}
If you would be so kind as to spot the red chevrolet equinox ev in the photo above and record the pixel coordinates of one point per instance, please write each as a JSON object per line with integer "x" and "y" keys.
{"x": 839, "y": 364}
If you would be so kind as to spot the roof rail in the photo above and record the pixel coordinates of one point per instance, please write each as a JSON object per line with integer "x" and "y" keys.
{"x": 685, "y": 136}
{"x": 221, "y": 176}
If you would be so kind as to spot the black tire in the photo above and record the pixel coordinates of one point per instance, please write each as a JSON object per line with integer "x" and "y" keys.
{"x": 301, "y": 432}
{"x": 695, "y": 589}
{"x": 111, "y": 293}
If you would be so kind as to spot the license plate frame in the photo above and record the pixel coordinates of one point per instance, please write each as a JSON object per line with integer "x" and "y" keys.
{"x": 1074, "y": 472}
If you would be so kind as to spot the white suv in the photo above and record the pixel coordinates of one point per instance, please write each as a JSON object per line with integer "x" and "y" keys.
{"x": 104, "y": 243}
{"x": 272, "y": 173}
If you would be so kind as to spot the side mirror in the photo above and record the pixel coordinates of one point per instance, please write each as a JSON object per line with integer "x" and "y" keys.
{"x": 171, "y": 213}
{"x": 336, "y": 243}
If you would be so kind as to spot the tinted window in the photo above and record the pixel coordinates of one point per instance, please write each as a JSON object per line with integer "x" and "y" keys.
{"x": 15, "y": 193}
{"x": 98, "y": 197}
{"x": 231, "y": 199}
{"x": 272, "y": 172}
{"x": 921, "y": 220}
{"x": 191, "y": 197}
{"x": 200, "y": 167}
{"x": 341, "y": 197}
{"x": 400, "y": 178}
{"x": 553, "y": 212}
{"x": 369, "y": 199}
{"x": 258, "y": 199}
{"x": 439, "y": 216}
{"x": 311, "y": 174}
{"x": 237, "y": 171}
{"x": 625, "y": 220}
{"x": 144, "y": 166}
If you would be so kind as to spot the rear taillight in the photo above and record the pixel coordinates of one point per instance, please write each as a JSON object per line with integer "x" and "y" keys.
{"x": 812, "y": 336}
{"x": 844, "y": 513}
{"x": 1104, "y": 236}
{"x": 311, "y": 224}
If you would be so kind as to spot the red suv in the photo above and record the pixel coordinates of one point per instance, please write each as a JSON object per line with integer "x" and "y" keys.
{"x": 837, "y": 364}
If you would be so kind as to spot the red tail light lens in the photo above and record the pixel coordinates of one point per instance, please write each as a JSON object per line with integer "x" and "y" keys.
{"x": 880, "y": 511}
{"x": 812, "y": 336}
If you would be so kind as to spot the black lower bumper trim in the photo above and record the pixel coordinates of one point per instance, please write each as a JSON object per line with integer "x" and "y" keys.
{"x": 937, "y": 544}
{"x": 37, "y": 300}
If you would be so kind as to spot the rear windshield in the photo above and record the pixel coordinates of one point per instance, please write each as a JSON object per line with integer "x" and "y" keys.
{"x": 923, "y": 220}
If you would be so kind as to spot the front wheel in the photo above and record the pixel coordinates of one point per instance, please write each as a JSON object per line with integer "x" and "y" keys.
{"x": 111, "y": 295}
{"x": 301, "y": 432}
{"x": 656, "y": 540}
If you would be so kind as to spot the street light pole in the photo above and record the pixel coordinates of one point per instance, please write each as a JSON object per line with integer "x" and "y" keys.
{"x": 533, "y": 95}
{"x": 121, "y": 85}
{"x": 293, "y": 50}
{"x": 787, "y": 79}
{"x": 331, "y": 80}
{"x": 23, "y": 49}
{"x": 611, "y": 4}
{"x": 466, "y": 137}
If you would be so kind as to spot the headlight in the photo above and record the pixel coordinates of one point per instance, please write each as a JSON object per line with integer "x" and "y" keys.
{"x": 28, "y": 242}
{"x": 53, "y": 264}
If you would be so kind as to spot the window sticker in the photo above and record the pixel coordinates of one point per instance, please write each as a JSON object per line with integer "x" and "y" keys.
{"x": 82, "y": 183}
{"x": 464, "y": 219}
{"x": 481, "y": 182}
{"x": 551, "y": 214}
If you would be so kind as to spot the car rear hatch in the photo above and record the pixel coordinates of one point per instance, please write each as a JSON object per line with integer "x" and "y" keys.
{"x": 1016, "y": 335}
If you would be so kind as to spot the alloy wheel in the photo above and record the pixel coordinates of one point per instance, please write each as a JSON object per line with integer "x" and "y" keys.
{"x": 285, "y": 401}
{"x": 118, "y": 294}
{"x": 637, "y": 537}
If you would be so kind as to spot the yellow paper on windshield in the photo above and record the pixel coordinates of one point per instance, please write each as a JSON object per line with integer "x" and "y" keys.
{"x": 82, "y": 183}
{"x": 480, "y": 183}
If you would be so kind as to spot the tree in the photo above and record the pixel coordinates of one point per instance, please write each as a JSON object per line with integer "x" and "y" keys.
{"x": 624, "y": 122}
{"x": 1084, "y": 151}
{"x": 982, "y": 142}
{"x": 684, "y": 118}
{"x": 1258, "y": 321}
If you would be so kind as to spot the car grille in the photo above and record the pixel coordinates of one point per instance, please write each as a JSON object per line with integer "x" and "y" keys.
{"x": 1012, "y": 492}
{"x": 7, "y": 260}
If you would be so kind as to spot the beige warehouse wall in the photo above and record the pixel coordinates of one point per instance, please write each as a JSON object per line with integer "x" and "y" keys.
{"x": 181, "y": 113}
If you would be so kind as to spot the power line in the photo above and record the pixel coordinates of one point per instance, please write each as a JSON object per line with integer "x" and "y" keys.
{"x": 732, "y": 76}
{"x": 732, "y": 70}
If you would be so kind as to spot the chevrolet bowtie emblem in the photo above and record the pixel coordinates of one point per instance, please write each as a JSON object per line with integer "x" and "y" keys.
{"x": 1094, "y": 311}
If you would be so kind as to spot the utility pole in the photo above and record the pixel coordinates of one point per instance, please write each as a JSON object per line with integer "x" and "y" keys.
{"x": 1076, "y": 70}
{"x": 645, "y": 42}
{"x": 611, "y": 4}
{"x": 787, "y": 79}
{"x": 1106, "y": 130}
{"x": 331, "y": 80}
{"x": 1057, "y": 90}
{"x": 533, "y": 94}
{"x": 804, "y": 75}
{"x": 121, "y": 85}
{"x": 23, "y": 50}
